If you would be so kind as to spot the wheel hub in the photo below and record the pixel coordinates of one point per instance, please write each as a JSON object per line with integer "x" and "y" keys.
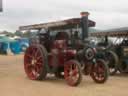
{"x": 33, "y": 61}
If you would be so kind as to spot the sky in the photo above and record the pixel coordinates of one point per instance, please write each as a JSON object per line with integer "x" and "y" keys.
{"x": 107, "y": 14}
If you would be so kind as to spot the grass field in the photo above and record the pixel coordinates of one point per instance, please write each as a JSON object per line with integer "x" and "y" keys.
{"x": 13, "y": 82}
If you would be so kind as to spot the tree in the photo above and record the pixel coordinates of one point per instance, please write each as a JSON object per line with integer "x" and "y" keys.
{"x": 18, "y": 33}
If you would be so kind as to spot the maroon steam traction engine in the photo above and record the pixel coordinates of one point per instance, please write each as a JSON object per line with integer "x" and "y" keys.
{"x": 57, "y": 53}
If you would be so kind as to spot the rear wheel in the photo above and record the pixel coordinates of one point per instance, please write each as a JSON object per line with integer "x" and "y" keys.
{"x": 72, "y": 72}
{"x": 100, "y": 71}
{"x": 35, "y": 59}
{"x": 122, "y": 66}
{"x": 113, "y": 62}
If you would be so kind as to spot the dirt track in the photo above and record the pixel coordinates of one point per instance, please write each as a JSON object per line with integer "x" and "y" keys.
{"x": 13, "y": 82}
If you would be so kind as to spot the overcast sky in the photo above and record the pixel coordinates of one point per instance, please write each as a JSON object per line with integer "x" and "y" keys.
{"x": 106, "y": 13}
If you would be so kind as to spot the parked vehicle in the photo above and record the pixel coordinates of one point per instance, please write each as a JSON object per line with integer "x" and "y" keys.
{"x": 9, "y": 46}
{"x": 24, "y": 43}
{"x": 110, "y": 58}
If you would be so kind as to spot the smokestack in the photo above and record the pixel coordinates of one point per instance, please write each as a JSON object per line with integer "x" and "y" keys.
{"x": 84, "y": 24}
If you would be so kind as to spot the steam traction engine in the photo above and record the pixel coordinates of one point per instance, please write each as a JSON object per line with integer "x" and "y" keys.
{"x": 58, "y": 53}
{"x": 117, "y": 54}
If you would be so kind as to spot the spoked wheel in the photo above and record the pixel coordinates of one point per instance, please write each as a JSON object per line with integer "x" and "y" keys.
{"x": 122, "y": 66}
{"x": 34, "y": 62}
{"x": 100, "y": 71}
{"x": 113, "y": 62}
{"x": 72, "y": 72}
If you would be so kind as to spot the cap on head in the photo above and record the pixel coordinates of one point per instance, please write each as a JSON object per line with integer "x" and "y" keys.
{"x": 84, "y": 14}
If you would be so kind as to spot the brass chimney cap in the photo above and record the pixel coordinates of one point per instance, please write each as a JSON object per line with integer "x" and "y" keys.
{"x": 84, "y": 13}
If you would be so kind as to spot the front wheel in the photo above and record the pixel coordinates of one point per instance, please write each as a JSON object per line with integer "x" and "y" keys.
{"x": 72, "y": 72}
{"x": 100, "y": 71}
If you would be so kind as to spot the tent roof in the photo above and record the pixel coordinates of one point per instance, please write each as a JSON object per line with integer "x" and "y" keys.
{"x": 118, "y": 32}
{"x": 5, "y": 39}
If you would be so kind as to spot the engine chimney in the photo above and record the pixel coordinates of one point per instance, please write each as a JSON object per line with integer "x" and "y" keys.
{"x": 84, "y": 24}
